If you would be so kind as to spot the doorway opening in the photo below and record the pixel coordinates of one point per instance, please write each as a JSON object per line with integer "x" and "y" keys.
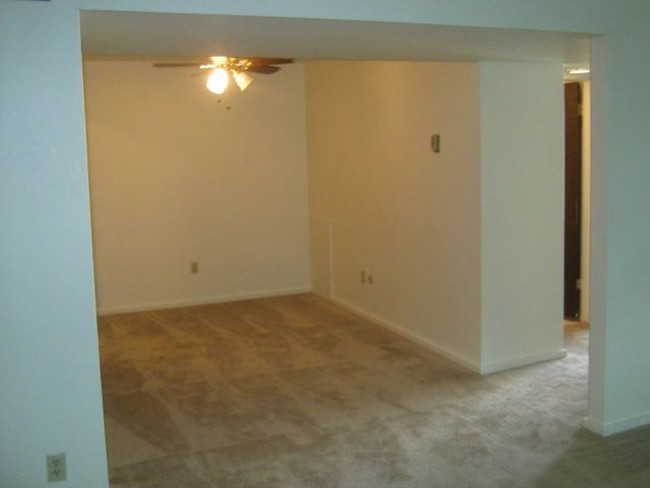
{"x": 222, "y": 192}
{"x": 576, "y": 200}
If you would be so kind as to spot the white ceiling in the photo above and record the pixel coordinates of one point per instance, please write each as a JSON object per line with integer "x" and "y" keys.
{"x": 152, "y": 35}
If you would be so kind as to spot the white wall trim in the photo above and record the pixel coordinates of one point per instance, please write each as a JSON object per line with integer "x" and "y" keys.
{"x": 459, "y": 359}
{"x": 400, "y": 330}
{"x": 601, "y": 428}
{"x": 585, "y": 270}
{"x": 145, "y": 307}
{"x": 330, "y": 243}
{"x": 496, "y": 366}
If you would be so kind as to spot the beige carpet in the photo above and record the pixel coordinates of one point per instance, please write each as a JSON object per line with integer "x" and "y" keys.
{"x": 296, "y": 392}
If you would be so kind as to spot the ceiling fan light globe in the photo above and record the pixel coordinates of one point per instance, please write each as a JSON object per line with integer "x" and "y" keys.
{"x": 243, "y": 80}
{"x": 218, "y": 81}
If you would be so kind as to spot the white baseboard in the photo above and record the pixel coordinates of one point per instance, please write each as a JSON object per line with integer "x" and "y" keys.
{"x": 403, "y": 332}
{"x": 146, "y": 307}
{"x": 606, "y": 429}
{"x": 457, "y": 358}
{"x": 496, "y": 366}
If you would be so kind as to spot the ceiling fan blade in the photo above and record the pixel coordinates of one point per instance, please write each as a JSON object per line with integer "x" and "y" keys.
{"x": 263, "y": 69}
{"x": 267, "y": 61}
{"x": 177, "y": 65}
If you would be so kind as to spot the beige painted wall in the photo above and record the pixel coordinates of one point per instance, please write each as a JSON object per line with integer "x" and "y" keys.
{"x": 175, "y": 177}
{"x": 464, "y": 246}
{"x": 522, "y": 213}
{"x": 383, "y": 202}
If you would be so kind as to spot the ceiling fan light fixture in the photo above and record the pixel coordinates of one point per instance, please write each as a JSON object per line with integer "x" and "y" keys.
{"x": 220, "y": 68}
{"x": 219, "y": 60}
{"x": 242, "y": 79}
{"x": 218, "y": 81}
{"x": 579, "y": 71}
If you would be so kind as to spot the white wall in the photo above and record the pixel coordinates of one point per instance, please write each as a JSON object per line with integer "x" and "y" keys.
{"x": 383, "y": 202}
{"x": 177, "y": 178}
{"x": 50, "y": 399}
{"x": 522, "y": 188}
{"x": 620, "y": 309}
{"x": 465, "y": 246}
{"x": 48, "y": 338}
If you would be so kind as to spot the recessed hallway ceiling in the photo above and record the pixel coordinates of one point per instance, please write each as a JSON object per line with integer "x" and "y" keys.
{"x": 182, "y": 35}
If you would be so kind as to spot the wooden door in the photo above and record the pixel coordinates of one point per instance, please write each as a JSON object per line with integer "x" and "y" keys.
{"x": 572, "y": 199}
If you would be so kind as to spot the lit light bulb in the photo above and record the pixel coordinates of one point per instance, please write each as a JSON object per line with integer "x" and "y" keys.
{"x": 579, "y": 71}
{"x": 218, "y": 81}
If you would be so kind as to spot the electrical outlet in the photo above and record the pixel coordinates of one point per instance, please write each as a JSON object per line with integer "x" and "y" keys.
{"x": 56, "y": 469}
{"x": 194, "y": 267}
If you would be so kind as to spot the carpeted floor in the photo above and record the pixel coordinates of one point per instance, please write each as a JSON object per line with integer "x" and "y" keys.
{"x": 295, "y": 392}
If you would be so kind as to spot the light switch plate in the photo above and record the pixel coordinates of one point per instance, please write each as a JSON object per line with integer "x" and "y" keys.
{"x": 435, "y": 143}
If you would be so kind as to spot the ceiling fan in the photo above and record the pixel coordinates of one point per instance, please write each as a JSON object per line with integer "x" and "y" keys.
{"x": 223, "y": 68}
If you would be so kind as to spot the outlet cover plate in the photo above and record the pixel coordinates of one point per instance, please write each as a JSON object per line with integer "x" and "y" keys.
{"x": 56, "y": 468}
